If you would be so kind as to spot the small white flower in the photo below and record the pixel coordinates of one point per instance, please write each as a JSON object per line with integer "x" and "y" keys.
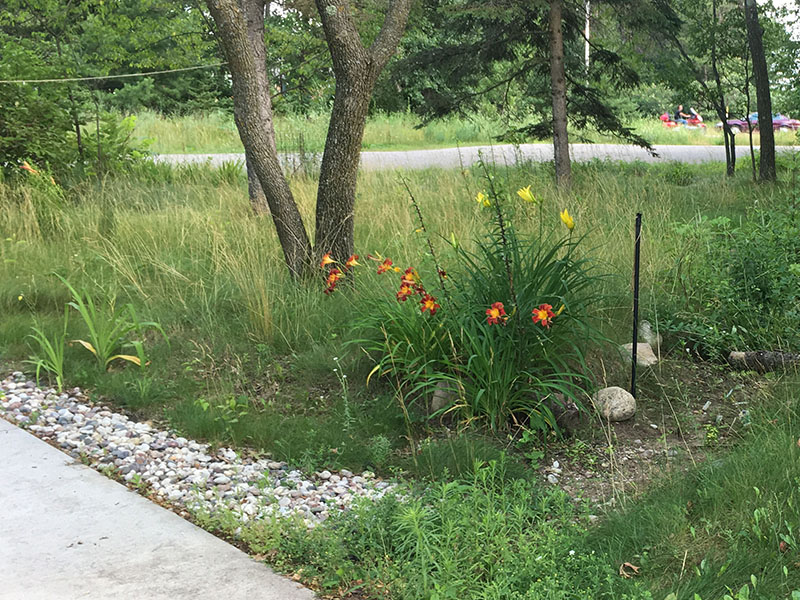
{"x": 572, "y": 552}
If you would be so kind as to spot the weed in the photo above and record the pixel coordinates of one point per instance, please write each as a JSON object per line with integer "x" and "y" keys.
{"x": 50, "y": 355}
{"x": 107, "y": 332}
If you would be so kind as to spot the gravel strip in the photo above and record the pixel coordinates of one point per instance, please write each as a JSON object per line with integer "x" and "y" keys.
{"x": 179, "y": 471}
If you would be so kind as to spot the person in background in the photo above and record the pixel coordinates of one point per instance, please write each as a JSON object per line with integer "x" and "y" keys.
{"x": 680, "y": 116}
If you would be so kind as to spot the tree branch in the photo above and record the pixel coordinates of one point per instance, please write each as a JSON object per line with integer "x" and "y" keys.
{"x": 392, "y": 30}
{"x": 341, "y": 34}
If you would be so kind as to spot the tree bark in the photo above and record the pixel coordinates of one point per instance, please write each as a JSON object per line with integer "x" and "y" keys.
{"x": 730, "y": 141}
{"x": 241, "y": 34}
{"x": 558, "y": 85}
{"x": 763, "y": 361}
{"x": 258, "y": 201}
{"x": 755, "y": 34}
{"x": 356, "y": 69}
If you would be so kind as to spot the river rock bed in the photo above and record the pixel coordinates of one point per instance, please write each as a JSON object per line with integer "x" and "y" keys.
{"x": 178, "y": 471}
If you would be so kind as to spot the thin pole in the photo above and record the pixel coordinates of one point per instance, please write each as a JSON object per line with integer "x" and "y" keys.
{"x": 588, "y": 14}
{"x": 636, "y": 253}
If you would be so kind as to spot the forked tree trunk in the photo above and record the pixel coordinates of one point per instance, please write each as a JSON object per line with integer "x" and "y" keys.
{"x": 240, "y": 26}
{"x": 241, "y": 34}
{"x": 558, "y": 85}
{"x": 763, "y": 98}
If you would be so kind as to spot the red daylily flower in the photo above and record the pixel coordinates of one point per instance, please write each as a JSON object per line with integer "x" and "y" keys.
{"x": 543, "y": 314}
{"x": 334, "y": 275}
{"x": 406, "y": 291}
{"x": 384, "y": 266}
{"x": 428, "y": 303}
{"x": 496, "y": 314}
{"x": 411, "y": 277}
{"x": 352, "y": 262}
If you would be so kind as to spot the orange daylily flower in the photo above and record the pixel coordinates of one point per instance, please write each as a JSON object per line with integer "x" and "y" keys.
{"x": 352, "y": 262}
{"x": 26, "y": 167}
{"x": 496, "y": 314}
{"x": 428, "y": 303}
{"x": 543, "y": 314}
{"x": 326, "y": 260}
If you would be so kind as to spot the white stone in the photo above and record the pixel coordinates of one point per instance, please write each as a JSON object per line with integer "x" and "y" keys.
{"x": 614, "y": 403}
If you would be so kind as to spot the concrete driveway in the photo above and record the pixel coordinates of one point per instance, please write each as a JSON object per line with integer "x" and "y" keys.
{"x": 68, "y": 533}
{"x": 450, "y": 158}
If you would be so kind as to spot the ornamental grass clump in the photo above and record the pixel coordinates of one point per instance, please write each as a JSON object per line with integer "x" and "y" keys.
{"x": 503, "y": 334}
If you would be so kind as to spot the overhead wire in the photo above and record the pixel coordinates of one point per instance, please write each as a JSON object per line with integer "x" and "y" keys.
{"x": 103, "y": 77}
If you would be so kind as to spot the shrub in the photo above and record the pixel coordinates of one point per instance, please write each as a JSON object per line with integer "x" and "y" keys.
{"x": 738, "y": 284}
{"x": 504, "y": 336}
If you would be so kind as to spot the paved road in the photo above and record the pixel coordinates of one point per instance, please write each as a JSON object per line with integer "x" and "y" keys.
{"x": 448, "y": 158}
{"x": 68, "y": 533}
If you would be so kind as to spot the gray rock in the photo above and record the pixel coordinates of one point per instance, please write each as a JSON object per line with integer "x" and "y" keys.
{"x": 615, "y": 404}
{"x": 444, "y": 394}
{"x": 645, "y": 357}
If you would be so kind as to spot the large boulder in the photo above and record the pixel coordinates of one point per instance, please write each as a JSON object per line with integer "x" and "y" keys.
{"x": 614, "y": 403}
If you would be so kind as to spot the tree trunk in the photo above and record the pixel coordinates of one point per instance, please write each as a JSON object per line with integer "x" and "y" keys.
{"x": 339, "y": 168}
{"x": 763, "y": 361}
{"x": 749, "y": 124}
{"x": 763, "y": 98}
{"x": 730, "y": 142}
{"x": 558, "y": 85}
{"x": 241, "y": 35}
{"x": 356, "y": 69}
{"x": 258, "y": 201}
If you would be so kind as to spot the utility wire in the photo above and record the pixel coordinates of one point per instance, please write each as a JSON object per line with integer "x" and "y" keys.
{"x": 126, "y": 75}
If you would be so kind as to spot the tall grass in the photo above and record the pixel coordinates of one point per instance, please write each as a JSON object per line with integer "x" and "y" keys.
{"x": 215, "y": 132}
{"x": 181, "y": 245}
{"x": 188, "y": 247}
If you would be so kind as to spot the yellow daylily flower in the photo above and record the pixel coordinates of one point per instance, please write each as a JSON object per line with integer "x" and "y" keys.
{"x": 526, "y": 194}
{"x": 483, "y": 199}
{"x": 567, "y": 220}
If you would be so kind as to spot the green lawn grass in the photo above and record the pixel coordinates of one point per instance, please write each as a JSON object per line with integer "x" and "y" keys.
{"x": 216, "y": 133}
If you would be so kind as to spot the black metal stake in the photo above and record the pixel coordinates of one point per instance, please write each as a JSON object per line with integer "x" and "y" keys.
{"x": 637, "y": 249}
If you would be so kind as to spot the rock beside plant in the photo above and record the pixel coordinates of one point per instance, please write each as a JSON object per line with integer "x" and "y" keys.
{"x": 444, "y": 394}
{"x": 645, "y": 357}
{"x": 614, "y": 403}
